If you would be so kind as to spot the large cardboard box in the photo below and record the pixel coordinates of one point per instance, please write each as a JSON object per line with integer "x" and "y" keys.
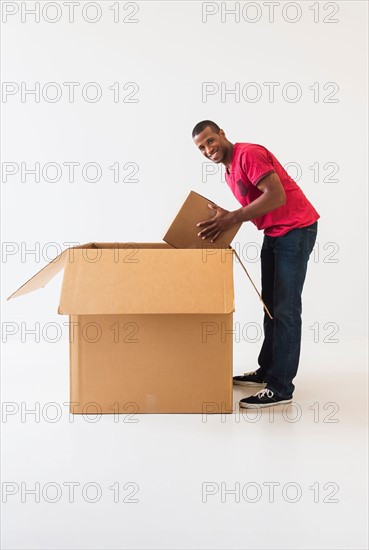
{"x": 150, "y": 326}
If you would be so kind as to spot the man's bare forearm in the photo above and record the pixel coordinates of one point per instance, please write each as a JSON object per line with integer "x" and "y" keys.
{"x": 266, "y": 203}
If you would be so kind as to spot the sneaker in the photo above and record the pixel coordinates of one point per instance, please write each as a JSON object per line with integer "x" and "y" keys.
{"x": 264, "y": 398}
{"x": 248, "y": 379}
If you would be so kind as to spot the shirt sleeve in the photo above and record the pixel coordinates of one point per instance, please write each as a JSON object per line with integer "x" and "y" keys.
{"x": 257, "y": 163}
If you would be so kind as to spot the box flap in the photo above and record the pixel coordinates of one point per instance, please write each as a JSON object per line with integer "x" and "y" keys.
{"x": 147, "y": 280}
{"x": 183, "y": 231}
{"x": 42, "y": 277}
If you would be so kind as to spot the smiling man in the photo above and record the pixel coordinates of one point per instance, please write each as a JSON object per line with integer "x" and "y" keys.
{"x": 274, "y": 202}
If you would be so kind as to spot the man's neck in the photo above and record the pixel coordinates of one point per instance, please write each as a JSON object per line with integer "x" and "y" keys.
{"x": 228, "y": 159}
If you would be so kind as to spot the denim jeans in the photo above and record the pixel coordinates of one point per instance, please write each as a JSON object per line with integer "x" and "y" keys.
{"x": 283, "y": 269}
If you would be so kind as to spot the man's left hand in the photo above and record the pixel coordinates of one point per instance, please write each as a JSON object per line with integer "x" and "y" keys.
{"x": 222, "y": 221}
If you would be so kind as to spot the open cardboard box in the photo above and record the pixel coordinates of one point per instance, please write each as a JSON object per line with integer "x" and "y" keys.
{"x": 150, "y": 323}
{"x": 150, "y": 327}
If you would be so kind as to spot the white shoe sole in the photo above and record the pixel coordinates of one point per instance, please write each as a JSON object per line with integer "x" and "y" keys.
{"x": 262, "y": 405}
{"x": 240, "y": 383}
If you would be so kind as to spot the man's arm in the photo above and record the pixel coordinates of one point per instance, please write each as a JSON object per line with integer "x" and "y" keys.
{"x": 273, "y": 197}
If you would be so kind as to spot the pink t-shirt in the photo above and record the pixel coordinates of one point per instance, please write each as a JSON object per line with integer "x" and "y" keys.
{"x": 251, "y": 163}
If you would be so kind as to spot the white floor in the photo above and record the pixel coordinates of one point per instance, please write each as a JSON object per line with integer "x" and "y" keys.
{"x": 197, "y": 482}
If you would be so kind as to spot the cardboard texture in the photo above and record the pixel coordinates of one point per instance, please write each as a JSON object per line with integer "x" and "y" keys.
{"x": 150, "y": 327}
{"x": 183, "y": 232}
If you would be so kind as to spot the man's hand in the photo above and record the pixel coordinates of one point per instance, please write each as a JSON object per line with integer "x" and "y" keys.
{"x": 222, "y": 221}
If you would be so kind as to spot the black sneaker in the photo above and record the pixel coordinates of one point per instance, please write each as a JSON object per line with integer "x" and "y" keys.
{"x": 248, "y": 379}
{"x": 264, "y": 398}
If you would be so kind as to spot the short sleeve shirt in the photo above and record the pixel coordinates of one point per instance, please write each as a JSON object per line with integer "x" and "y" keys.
{"x": 250, "y": 164}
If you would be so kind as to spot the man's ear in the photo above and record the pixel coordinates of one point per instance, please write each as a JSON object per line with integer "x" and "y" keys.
{"x": 221, "y": 133}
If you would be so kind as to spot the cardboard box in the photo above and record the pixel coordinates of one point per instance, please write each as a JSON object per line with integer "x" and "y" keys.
{"x": 183, "y": 232}
{"x": 150, "y": 326}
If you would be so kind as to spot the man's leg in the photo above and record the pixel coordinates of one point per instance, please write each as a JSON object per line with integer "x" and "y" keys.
{"x": 266, "y": 356}
{"x": 292, "y": 252}
{"x": 258, "y": 377}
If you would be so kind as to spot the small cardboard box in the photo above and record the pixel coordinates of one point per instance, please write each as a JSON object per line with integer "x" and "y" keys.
{"x": 150, "y": 326}
{"x": 183, "y": 232}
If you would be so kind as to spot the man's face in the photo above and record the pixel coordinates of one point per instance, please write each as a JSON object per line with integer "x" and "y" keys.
{"x": 211, "y": 144}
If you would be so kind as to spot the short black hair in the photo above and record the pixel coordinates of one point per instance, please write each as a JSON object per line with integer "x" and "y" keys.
{"x": 200, "y": 126}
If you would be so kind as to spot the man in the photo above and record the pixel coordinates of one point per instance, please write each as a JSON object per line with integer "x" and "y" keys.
{"x": 274, "y": 202}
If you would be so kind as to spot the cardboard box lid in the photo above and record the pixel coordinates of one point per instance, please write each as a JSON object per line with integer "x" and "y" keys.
{"x": 149, "y": 278}
{"x": 183, "y": 232}
{"x": 42, "y": 277}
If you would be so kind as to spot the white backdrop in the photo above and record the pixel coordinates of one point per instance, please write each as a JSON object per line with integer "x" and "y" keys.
{"x": 291, "y": 76}
{"x": 299, "y": 80}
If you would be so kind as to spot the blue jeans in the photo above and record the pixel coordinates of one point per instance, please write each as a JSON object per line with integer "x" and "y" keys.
{"x": 283, "y": 269}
